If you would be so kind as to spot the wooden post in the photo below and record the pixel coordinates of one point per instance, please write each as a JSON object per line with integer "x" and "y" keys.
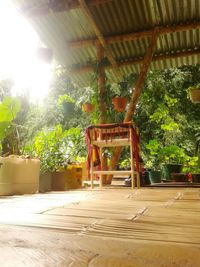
{"x": 101, "y": 84}
{"x": 132, "y": 160}
{"x": 91, "y": 170}
{"x": 101, "y": 80}
{"x": 101, "y": 176}
{"x": 136, "y": 93}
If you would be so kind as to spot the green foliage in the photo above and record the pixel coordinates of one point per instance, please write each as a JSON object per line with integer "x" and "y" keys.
{"x": 65, "y": 99}
{"x": 154, "y": 160}
{"x": 125, "y": 164}
{"x": 75, "y": 149}
{"x": 56, "y": 148}
{"x": 173, "y": 154}
{"x": 164, "y": 112}
{"x": 88, "y": 96}
{"x": 192, "y": 165}
{"x": 9, "y": 108}
{"x": 48, "y": 147}
{"x": 123, "y": 88}
{"x": 66, "y": 104}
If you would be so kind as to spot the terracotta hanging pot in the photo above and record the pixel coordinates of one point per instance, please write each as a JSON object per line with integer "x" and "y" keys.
{"x": 119, "y": 103}
{"x": 195, "y": 95}
{"x": 88, "y": 107}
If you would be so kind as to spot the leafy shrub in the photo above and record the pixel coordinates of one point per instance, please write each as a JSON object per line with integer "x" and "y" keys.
{"x": 9, "y": 108}
{"x": 56, "y": 148}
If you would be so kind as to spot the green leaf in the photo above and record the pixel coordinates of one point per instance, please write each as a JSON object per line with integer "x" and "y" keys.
{"x": 9, "y": 109}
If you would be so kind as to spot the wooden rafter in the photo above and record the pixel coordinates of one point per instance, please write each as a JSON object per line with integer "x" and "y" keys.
{"x": 136, "y": 35}
{"x": 133, "y": 61}
{"x": 100, "y": 37}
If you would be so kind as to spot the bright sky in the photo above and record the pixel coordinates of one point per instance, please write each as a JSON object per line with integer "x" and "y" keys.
{"x": 18, "y": 60}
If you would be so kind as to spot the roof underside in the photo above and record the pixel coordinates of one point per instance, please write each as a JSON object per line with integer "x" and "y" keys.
{"x": 113, "y": 18}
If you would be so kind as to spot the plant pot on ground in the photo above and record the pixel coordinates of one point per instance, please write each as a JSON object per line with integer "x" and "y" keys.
{"x": 172, "y": 158}
{"x": 45, "y": 182}
{"x": 196, "y": 178}
{"x": 48, "y": 146}
{"x": 169, "y": 169}
{"x": 71, "y": 178}
{"x": 179, "y": 177}
{"x": 155, "y": 177}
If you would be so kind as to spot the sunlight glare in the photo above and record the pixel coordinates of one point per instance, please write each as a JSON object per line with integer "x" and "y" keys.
{"x": 18, "y": 59}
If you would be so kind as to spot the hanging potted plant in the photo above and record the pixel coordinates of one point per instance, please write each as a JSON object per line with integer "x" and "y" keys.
{"x": 119, "y": 103}
{"x": 88, "y": 107}
{"x": 119, "y": 99}
{"x": 194, "y": 93}
{"x": 121, "y": 92}
{"x": 67, "y": 104}
{"x": 86, "y": 100}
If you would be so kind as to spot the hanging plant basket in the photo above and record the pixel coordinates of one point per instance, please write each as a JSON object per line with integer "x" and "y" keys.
{"x": 45, "y": 54}
{"x": 195, "y": 95}
{"x": 68, "y": 108}
{"x": 119, "y": 103}
{"x": 88, "y": 107}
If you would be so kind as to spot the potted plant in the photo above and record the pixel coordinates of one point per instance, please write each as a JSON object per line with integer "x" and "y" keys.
{"x": 59, "y": 152}
{"x": 173, "y": 158}
{"x": 120, "y": 92}
{"x": 194, "y": 93}
{"x": 192, "y": 168}
{"x": 19, "y": 174}
{"x": 196, "y": 176}
{"x": 67, "y": 104}
{"x": 86, "y": 101}
{"x": 48, "y": 148}
{"x": 154, "y": 161}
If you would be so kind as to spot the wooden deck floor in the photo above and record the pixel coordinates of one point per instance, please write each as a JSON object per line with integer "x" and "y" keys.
{"x": 109, "y": 228}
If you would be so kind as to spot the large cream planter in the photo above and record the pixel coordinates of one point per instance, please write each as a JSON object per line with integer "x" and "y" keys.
{"x": 19, "y": 175}
{"x": 6, "y": 170}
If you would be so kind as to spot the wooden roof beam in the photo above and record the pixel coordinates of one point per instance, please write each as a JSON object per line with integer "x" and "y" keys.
{"x": 100, "y": 38}
{"x": 88, "y": 68}
{"x": 136, "y": 35}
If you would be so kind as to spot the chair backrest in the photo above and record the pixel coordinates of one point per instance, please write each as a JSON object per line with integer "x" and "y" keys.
{"x": 109, "y": 131}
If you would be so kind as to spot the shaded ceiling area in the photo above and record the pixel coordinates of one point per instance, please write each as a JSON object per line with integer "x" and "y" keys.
{"x": 123, "y": 27}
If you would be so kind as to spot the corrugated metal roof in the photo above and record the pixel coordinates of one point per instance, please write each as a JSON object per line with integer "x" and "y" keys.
{"x": 115, "y": 17}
